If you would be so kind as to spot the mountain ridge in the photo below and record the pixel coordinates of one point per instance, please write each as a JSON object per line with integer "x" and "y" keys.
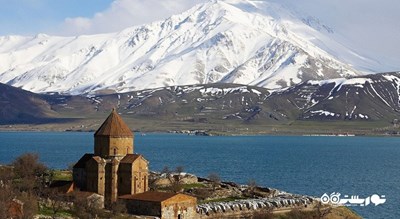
{"x": 247, "y": 42}
{"x": 361, "y": 104}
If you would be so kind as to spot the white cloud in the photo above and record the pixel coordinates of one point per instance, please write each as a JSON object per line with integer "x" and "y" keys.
{"x": 370, "y": 27}
{"x": 125, "y": 13}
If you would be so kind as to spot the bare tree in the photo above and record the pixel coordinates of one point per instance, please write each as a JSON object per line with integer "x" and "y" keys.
{"x": 178, "y": 173}
{"x": 84, "y": 208}
{"x": 6, "y": 174}
{"x": 30, "y": 202}
{"x": 252, "y": 185}
{"x": 168, "y": 174}
{"x": 166, "y": 170}
{"x": 153, "y": 184}
{"x": 6, "y": 191}
{"x": 56, "y": 200}
{"x": 179, "y": 169}
{"x": 30, "y": 171}
{"x": 175, "y": 178}
{"x": 215, "y": 180}
{"x": 21, "y": 182}
{"x": 6, "y": 196}
{"x": 28, "y": 165}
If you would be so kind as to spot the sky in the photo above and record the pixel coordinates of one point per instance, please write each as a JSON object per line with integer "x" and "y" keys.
{"x": 371, "y": 26}
{"x": 76, "y": 17}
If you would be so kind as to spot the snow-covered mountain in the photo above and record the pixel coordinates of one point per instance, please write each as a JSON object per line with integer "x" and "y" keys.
{"x": 229, "y": 41}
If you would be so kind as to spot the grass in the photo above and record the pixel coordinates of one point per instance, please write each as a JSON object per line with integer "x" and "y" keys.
{"x": 184, "y": 186}
{"x": 346, "y": 212}
{"x": 62, "y": 175}
{"x": 49, "y": 212}
{"x": 228, "y": 199}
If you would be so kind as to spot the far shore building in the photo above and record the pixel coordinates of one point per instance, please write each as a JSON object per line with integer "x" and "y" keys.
{"x": 113, "y": 169}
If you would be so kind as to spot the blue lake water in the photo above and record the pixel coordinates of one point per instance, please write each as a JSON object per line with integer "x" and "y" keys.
{"x": 306, "y": 165}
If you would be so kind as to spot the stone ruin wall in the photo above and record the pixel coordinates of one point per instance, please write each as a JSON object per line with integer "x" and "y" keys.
{"x": 246, "y": 208}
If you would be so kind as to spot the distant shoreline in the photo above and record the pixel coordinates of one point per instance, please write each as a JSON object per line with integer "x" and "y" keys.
{"x": 209, "y": 134}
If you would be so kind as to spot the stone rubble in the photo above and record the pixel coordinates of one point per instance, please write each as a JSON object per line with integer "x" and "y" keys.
{"x": 281, "y": 201}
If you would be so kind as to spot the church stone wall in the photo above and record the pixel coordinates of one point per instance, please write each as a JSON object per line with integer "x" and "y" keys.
{"x": 110, "y": 146}
{"x": 140, "y": 176}
{"x": 101, "y": 146}
{"x": 179, "y": 211}
{"x": 179, "y": 206}
{"x": 79, "y": 177}
{"x": 111, "y": 183}
{"x": 92, "y": 170}
{"x": 125, "y": 179}
{"x": 144, "y": 207}
{"x": 95, "y": 177}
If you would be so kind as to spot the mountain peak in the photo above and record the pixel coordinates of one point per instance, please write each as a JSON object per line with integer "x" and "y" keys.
{"x": 221, "y": 41}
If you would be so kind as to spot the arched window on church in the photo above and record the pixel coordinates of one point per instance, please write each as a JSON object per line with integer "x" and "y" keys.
{"x": 115, "y": 151}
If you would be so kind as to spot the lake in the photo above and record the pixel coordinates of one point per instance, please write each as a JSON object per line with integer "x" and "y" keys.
{"x": 305, "y": 165}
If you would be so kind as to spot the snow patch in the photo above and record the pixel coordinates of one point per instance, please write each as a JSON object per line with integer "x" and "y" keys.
{"x": 223, "y": 91}
{"x": 323, "y": 112}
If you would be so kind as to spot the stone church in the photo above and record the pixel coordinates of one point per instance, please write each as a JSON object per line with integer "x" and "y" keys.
{"x": 114, "y": 169}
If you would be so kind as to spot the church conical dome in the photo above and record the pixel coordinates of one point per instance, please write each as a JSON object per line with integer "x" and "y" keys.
{"x": 114, "y": 126}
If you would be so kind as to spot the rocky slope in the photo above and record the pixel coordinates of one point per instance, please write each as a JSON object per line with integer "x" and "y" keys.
{"x": 19, "y": 106}
{"x": 372, "y": 98}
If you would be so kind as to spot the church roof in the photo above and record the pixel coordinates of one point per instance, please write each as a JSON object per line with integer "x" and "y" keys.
{"x": 82, "y": 162}
{"x": 150, "y": 196}
{"x": 130, "y": 158}
{"x": 114, "y": 126}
